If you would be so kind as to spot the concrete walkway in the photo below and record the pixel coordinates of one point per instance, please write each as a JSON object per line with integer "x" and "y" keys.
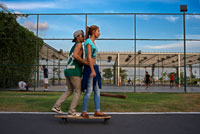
{"x": 122, "y": 89}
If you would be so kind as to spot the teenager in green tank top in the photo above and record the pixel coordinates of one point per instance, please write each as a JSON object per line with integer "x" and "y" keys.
{"x": 73, "y": 73}
{"x": 74, "y": 67}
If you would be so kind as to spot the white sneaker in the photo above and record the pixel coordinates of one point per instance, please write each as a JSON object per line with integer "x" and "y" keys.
{"x": 74, "y": 114}
{"x": 57, "y": 110}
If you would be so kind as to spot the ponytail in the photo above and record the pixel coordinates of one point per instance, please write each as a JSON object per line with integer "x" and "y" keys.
{"x": 89, "y": 30}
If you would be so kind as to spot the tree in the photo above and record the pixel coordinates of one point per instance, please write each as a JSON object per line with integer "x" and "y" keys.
{"x": 108, "y": 73}
{"x": 164, "y": 76}
{"x": 123, "y": 74}
{"x": 18, "y": 51}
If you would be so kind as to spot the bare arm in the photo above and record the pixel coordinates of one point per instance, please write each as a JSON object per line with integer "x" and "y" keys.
{"x": 93, "y": 74}
{"x": 77, "y": 54}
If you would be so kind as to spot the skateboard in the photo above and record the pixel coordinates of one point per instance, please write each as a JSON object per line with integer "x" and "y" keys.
{"x": 91, "y": 117}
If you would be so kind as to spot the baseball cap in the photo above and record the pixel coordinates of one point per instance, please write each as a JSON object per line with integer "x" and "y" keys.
{"x": 76, "y": 34}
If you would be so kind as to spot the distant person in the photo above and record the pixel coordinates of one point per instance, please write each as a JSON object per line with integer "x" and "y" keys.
{"x": 73, "y": 74}
{"x": 22, "y": 85}
{"x": 177, "y": 80}
{"x": 45, "y": 70}
{"x": 120, "y": 81}
{"x": 147, "y": 80}
{"x": 171, "y": 80}
{"x": 129, "y": 82}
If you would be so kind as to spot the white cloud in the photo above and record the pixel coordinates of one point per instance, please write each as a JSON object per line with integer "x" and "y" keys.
{"x": 30, "y": 5}
{"x": 194, "y": 44}
{"x": 64, "y": 4}
{"x": 193, "y": 36}
{"x": 109, "y": 11}
{"x": 196, "y": 16}
{"x": 4, "y": 7}
{"x": 166, "y": 1}
{"x": 148, "y": 17}
{"x": 30, "y": 25}
{"x": 89, "y": 1}
{"x": 167, "y": 46}
{"x": 17, "y": 12}
{"x": 150, "y": 1}
{"x": 188, "y": 36}
{"x": 144, "y": 17}
{"x": 172, "y": 18}
{"x": 18, "y": 17}
{"x": 192, "y": 17}
{"x": 190, "y": 44}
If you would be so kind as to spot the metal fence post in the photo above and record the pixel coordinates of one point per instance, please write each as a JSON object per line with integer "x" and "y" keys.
{"x": 185, "y": 76}
{"x": 37, "y": 51}
{"x": 135, "y": 52}
{"x": 36, "y": 55}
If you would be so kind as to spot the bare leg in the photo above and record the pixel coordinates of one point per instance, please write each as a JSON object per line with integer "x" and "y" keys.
{"x": 46, "y": 86}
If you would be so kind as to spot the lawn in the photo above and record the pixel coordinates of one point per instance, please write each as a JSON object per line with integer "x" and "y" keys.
{"x": 19, "y": 101}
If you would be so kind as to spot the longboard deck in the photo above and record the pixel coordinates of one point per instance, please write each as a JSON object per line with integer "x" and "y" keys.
{"x": 65, "y": 117}
{"x": 80, "y": 117}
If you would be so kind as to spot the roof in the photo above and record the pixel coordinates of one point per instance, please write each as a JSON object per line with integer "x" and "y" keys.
{"x": 146, "y": 59}
{"x": 127, "y": 59}
{"x": 48, "y": 52}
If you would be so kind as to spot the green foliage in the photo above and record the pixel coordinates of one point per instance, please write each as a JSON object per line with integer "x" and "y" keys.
{"x": 17, "y": 49}
{"x": 107, "y": 73}
{"x": 123, "y": 74}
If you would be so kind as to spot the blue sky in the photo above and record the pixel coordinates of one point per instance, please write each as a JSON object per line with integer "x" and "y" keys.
{"x": 120, "y": 26}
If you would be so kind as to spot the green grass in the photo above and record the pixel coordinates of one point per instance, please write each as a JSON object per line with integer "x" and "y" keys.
{"x": 136, "y": 102}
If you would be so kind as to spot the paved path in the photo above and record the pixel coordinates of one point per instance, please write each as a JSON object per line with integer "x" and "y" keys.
{"x": 124, "y": 89}
{"x": 119, "y": 124}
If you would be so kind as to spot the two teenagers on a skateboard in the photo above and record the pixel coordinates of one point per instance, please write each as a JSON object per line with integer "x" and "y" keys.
{"x": 86, "y": 80}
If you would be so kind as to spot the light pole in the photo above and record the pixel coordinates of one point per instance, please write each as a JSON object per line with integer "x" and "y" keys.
{"x": 183, "y": 8}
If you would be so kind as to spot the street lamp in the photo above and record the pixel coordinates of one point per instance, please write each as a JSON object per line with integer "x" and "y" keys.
{"x": 183, "y": 8}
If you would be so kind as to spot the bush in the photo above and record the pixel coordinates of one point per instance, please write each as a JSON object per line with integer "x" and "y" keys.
{"x": 17, "y": 49}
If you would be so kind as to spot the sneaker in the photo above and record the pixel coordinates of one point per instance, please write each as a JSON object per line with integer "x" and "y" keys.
{"x": 100, "y": 114}
{"x": 84, "y": 115}
{"x": 74, "y": 114}
{"x": 57, "y": 110}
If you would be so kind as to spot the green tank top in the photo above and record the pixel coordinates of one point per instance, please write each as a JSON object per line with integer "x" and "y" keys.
{"x": 74, "y": 67}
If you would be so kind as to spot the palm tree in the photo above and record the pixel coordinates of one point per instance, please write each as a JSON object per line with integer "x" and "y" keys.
{"x": 123, "y": 74}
